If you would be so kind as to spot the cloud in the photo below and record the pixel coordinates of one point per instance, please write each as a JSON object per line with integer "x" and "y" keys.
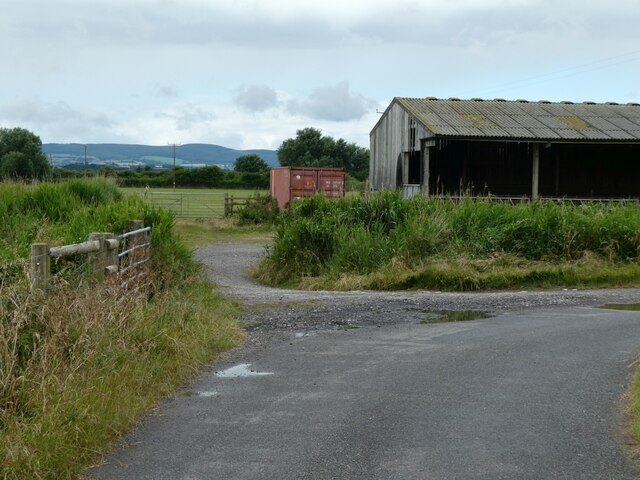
{"x": 54, "y": 119}
{"x": 166, "y": 91}
{"x": 186, "y": 117}
{"x": 334, "y": 103}
{"x": 256, "y": 98}
{"x": 292, "y": 25}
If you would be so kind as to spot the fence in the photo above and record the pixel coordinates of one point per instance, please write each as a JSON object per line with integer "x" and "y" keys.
{"x": 523, "y": 199}
{"x": 126, "y": 258}
{"x": 196, "y": 205}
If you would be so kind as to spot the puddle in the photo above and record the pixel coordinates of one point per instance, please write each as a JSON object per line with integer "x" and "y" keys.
{"x": 632, "y": 307}
{"x": 211, "y": 393}
{"x": 348, "y": 327}
{"x": 445, "y": 316}
{"x": 241, "y": 370}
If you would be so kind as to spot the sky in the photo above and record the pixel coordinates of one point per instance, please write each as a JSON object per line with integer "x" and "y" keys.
{"x": 250, "y": 73}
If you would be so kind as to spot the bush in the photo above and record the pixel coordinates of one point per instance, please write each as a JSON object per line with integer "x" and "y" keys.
{"x": 259, "y": 209}
{"x": 363, "y": 235}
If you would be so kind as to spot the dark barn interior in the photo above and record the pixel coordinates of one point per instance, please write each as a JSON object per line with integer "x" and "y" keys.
{"x": 504, "y": 169}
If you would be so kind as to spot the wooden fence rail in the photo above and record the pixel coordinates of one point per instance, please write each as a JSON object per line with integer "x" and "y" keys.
{"x": 103, "y": 254}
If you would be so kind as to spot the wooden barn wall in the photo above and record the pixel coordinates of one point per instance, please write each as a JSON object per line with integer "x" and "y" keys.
{"x": 388, "y": 141}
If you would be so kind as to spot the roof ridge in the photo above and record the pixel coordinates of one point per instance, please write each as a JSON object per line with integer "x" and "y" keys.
{"x": 520, "y": 100}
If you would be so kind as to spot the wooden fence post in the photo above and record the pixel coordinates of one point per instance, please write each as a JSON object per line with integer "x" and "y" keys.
{"x": 40, "y": 266}
{"x": 226, "y": 204}
{"x": 136, "y": 225}
{"x": 101, "y": 259}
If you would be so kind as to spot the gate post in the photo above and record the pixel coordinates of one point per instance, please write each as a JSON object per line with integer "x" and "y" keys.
{"x": 100, "y": 260}
{"x": 40, "y": 266}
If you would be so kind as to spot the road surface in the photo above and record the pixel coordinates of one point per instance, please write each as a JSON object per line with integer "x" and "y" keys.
{"x": 353, "y": 386}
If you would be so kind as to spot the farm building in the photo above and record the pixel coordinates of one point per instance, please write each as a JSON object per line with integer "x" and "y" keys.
{"x": 507, "y": 148}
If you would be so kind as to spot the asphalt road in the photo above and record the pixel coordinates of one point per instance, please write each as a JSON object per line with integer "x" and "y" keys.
{"x": 534, "y": 393}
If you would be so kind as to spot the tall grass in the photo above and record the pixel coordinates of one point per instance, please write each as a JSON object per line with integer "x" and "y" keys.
{"x": 75, "y": 368}
{"x": 384, "y": 241}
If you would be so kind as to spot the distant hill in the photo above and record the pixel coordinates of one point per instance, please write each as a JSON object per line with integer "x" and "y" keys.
{"x": 127, "y": 156}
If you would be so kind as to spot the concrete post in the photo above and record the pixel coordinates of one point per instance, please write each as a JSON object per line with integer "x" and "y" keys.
{"x": 40, "y": 266}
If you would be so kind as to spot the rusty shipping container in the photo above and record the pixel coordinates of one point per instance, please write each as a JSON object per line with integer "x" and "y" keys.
{"x": 292, "y": 183}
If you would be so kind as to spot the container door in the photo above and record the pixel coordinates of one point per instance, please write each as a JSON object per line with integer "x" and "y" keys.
{"x": 331, "y": 183}
{"x": 303, "y": 183}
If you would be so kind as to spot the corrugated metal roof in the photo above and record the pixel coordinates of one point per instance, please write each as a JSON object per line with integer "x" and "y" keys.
{"x": 524, "y": 120}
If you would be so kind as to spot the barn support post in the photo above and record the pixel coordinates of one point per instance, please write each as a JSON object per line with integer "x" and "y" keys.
{"x": 405, "y": 168}
{"x": 425, "y": 170}
{"x": 535, "y": 177}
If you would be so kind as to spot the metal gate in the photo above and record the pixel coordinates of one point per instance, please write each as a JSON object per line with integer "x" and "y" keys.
{"x": 189, "y": 205}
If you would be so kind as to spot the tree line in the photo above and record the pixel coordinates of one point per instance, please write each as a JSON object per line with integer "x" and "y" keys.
{"x": 203, "y": 177}
{"x": 21, "y": 157}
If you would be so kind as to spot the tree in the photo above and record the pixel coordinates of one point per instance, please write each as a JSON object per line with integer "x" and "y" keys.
{"x": 251, "y": 163}
{"x": 311, "y": 149}
{"x": 21, "y": 155}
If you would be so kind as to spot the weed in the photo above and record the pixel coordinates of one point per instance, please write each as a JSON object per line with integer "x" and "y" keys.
{"x": 258, "y": 210}
{"x": 385, "y": 242}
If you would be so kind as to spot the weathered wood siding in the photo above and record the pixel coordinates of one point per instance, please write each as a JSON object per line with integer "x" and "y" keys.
{"x": 388, "y": 141}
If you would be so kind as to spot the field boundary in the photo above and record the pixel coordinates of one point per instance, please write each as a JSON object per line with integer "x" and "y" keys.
{"x": 196, "y": 205}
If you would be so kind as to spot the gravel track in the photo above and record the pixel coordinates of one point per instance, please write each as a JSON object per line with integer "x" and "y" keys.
{"x": 273, "y": 308}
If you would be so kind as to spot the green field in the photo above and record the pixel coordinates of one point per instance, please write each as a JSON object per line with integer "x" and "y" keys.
{"x": 236, "y": 193}
{"x": 195, "y": 202}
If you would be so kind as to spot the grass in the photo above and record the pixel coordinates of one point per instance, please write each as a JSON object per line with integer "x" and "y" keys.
{"x": 75, "y": 371}
{"x": 385, "y": 242}
{"x": 198, "y": 232}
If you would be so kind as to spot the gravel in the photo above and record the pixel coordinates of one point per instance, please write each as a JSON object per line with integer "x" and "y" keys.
{"x": 269, "y": 309}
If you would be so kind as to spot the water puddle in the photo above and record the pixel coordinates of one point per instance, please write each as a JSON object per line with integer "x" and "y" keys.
{"x": 241, "y": 370}
{"x": 445, "y": 316}
{"x": 632, "y": 307}
{"x": 211, "y": 393}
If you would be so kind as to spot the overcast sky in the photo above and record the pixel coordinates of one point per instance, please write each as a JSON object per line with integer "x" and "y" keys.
{"x": 249, "y": 73}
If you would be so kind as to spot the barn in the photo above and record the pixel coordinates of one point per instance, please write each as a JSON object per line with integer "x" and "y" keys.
{"x": 507, "y": 148}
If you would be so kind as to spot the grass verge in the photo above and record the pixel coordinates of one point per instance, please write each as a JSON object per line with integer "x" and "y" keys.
{"x": 77, "y": 369}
